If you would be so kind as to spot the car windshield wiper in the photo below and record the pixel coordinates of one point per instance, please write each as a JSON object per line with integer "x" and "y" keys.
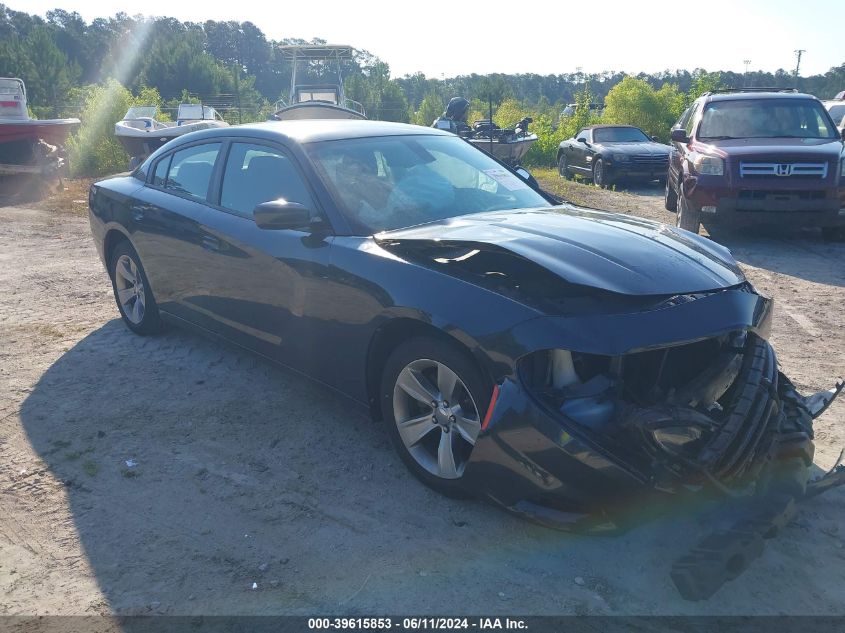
{"x": 719, "y": 138}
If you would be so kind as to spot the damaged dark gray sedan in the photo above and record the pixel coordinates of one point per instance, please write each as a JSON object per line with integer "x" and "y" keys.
{"x": 563, "y": 362}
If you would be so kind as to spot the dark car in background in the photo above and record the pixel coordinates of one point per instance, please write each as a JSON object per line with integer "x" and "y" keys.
{"x": 608, "y": 153}
{"x": 565, "y": 363}
{"x": 748, "y": 156}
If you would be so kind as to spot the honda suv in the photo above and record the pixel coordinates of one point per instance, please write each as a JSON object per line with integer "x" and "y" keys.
{"x": 746, "y": 156}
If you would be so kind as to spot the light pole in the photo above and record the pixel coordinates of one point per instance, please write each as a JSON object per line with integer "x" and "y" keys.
{"x": 747, "y": 62}
{"x": 798, "y": 53}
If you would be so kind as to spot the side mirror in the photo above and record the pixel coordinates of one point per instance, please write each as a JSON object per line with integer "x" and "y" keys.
{"x": 655, "y": 139}
{"x": 581, "y": 140}
{"x": 679, "y": 135}
{"x": 277, "y": 215}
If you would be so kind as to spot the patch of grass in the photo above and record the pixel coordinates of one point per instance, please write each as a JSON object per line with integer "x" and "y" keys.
{"x": 91, "y": 468}
{"x": 74, "y": 455}
{"x": 47, "y": 330}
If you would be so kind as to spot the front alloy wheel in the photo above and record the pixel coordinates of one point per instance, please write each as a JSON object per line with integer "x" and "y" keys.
{"x": 436, "y": 417}
{"x": 430, "y": 397}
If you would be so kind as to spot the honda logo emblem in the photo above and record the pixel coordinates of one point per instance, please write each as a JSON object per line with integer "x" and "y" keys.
{"x": 784, "y": 169}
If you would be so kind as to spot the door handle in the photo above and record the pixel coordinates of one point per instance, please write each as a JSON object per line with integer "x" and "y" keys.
{"x": 210, "y": 243}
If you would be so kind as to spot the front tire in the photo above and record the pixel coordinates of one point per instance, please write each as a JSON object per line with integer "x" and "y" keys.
{"x": 670, "y": 196}
{"x": 432, "y": 395}
{"x": 132, "y": 291}
{"x": 688, "y": 217}
{"x": 600, "y": 178}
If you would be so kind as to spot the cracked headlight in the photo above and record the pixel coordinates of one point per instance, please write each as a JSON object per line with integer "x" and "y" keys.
{"x": 707, "y": 165}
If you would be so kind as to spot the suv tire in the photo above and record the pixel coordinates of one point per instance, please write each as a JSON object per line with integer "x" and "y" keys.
{"x": 688, "y": 217}
{"x": 670, "y": 196}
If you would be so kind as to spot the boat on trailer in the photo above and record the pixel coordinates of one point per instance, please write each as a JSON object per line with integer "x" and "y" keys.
{"x": 27, "y": 145}
{"x": 506, "y": 145}
{"x": 141, "y": 133}
{"x": 321, "y": 100}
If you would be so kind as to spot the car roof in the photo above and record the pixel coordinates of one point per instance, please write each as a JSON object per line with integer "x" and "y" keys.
{"x": 750, "y": 94}
{"x": 314, "y": 130}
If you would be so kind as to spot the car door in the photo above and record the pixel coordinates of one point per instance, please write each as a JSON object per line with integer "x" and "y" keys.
{"x": 257, "y": 286}
{"x": 166, "y": 225}
{"x": 581, "y": 151}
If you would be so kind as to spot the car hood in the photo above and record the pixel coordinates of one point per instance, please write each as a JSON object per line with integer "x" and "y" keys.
{"x": 637, "y": 148}
{"x": 829, "y": 149}
{"x": 556, "y": 250}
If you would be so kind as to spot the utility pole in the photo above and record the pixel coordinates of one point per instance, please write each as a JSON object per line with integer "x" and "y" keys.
{"x": 798, "y": 53}
{"x": 747, "y": 62}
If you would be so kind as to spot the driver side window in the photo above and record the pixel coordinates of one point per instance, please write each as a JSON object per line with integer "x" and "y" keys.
{"x": 259, "y": 173}
{"x": 583, "y": 135}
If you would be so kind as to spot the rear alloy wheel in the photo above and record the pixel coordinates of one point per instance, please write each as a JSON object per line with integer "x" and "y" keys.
{"x": 431, "y": 395}
{"x": 670, "y": 196}
{"x": 132, "y": 291}
{"x": 563, "y": 168}
{"x": 600, "y": 178}
{"x": 688, "y": 217}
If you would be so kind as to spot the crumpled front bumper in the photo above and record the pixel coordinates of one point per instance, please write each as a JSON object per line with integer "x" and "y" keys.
{"x": 534, "y": 461}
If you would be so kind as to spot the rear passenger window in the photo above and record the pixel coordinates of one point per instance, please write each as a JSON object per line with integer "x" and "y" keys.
{"x": 258, "y": 173}
{"x": 190, "y": 170}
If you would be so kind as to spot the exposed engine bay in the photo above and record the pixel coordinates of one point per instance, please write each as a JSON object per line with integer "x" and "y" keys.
{"x": 713, "y": 415}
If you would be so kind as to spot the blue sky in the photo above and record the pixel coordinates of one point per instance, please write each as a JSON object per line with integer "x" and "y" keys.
{"x": 546, "y": 37}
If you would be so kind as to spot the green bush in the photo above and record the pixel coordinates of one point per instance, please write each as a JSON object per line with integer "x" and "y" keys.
{"x": 94, "y": 150}
{"x": 635, "y": 102}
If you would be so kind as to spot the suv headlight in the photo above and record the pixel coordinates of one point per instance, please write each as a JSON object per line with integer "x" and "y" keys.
{"x": 708, "y": 165}
{"x": 620, "y": 158}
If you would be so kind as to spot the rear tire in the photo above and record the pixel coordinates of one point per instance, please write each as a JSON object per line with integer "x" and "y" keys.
{"x": 132, "y": 291}
{"x": 688, "y": 217}
{"x": 563, "y": 168}
{"x": 433, "y": 399}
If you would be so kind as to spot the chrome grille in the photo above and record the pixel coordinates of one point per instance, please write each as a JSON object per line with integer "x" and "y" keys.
{"x": 649, "y": 159}
{"x": 783, "y": 170}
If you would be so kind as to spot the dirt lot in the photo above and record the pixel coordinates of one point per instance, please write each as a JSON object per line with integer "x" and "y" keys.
{"x": 169, "y": 474}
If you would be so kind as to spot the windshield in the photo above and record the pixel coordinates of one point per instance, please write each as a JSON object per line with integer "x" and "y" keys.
{"x": 619, "y": 135}
{"x": 391, "y": 182}
{"x": 141, "y": 112}
{"x": 765, "y": 118}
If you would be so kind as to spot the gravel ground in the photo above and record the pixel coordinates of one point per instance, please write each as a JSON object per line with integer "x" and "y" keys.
{"x": 174, "y": 474}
